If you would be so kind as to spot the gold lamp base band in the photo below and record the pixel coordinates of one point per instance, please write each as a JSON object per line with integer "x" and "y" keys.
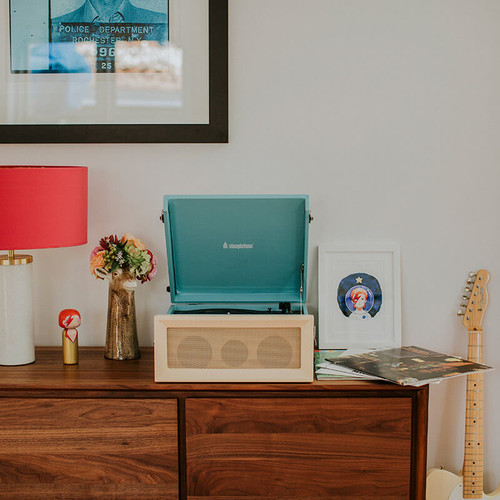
{"x": 15, "y": 260}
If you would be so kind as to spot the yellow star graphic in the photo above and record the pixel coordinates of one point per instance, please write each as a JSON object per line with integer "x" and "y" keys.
{"x": 359, "y": 280}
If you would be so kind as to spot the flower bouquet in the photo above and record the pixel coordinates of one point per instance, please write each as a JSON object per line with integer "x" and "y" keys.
{"x": 128, "y": 253}
{"x": 123, "y": 262}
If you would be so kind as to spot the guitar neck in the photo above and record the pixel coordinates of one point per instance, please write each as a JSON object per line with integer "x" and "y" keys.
{"x": 473, "y": 452}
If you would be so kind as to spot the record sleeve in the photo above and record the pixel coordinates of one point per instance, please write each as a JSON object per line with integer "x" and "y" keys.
{"x": 410, "y": 365}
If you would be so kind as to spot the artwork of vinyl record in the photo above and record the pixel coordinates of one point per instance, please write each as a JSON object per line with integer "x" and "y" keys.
{"x": 359, "y": 296}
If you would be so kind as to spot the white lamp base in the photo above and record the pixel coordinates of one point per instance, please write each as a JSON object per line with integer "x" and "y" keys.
{"x": 17, "y": 342}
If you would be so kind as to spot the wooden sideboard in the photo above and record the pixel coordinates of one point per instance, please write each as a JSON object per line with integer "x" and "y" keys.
{"x": 105, "y": 429}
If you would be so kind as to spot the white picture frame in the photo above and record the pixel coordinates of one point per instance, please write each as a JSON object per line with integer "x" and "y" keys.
{"x": 359, "y": 289}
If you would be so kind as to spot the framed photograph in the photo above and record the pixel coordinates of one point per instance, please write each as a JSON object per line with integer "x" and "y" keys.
{"x": 359, "y": 296}
{"x": 112, "y": 71}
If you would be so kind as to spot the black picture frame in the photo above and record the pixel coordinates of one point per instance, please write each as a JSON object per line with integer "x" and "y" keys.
{"x": 216, "y": 131}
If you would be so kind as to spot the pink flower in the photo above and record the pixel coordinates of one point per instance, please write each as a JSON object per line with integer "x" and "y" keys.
{"x": 154, "y": 268}
{"x": 96, "y": 250}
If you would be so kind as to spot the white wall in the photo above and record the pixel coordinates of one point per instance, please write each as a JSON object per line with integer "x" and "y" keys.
{"x": 386, "y": 112}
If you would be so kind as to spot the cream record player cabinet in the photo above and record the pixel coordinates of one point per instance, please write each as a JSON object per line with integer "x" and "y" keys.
{"x": 238, "y": 275}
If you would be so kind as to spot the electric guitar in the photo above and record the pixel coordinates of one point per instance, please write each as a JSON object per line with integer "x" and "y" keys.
{"x": 441, "y": 484}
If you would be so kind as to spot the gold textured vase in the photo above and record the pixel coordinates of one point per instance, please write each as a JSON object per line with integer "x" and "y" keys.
{"x": 121, "y": 331}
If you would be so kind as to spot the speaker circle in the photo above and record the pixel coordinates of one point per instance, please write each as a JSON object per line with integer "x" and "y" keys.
{"x": 194, "y": 352}
{"x": 234, "y": 353}
{"x": 274, "y": 352}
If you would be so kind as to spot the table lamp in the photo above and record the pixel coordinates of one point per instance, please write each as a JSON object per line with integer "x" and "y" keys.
{"x": 40, "y": 207}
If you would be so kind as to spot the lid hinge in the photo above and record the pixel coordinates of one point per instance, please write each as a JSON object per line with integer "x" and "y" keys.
{"x": 162, "y": 217}
{"x": 311, "y": 218}
{"x": 301, "y": 285}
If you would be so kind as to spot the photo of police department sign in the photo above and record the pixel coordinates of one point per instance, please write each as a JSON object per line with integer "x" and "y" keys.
{"x": 46, "y": 37}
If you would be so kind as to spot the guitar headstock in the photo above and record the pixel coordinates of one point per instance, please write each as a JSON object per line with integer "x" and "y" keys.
{"x": 477, "y": 300}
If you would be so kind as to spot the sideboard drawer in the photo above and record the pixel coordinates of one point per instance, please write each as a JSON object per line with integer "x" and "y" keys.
{"x": 88, "y": 448}
{"x": 322, "y": 448}
{"x": 105, "y": 429}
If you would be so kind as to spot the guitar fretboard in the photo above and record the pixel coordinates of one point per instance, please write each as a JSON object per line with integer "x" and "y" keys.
{"x": 473, "y": 456}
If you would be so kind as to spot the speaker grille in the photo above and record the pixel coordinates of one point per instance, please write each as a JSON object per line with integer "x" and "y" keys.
{"x": 191, "y": 347}
{"x": 194, "y": 352}
{"x": 274, "y": 352}
{"x": 234, "y": 353}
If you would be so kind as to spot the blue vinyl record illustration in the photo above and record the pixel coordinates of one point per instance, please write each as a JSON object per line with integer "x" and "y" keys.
{"x": 359, "y": 296}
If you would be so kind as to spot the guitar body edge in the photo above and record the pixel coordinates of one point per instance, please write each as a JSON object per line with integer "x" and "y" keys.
{"x": 440, "y": 484}
{"x": 444, "y": 485}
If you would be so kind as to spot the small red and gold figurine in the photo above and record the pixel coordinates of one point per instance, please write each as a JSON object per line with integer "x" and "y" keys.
{"x": 70, "y": 319}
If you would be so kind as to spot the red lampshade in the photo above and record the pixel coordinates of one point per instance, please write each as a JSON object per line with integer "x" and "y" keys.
{"x": 42, "y": 207}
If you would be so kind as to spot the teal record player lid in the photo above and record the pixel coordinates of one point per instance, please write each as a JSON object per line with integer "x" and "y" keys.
{"x": 237, "y": 249}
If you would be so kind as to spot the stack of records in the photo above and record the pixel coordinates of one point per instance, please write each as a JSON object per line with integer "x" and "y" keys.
{"x": 411, "y": 365}
{"x": 327, "y": 370}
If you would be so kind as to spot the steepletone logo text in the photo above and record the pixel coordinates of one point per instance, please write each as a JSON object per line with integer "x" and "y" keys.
{"x": 237, "y": 246}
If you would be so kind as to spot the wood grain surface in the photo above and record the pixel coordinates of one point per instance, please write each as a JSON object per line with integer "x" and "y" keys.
{"x": 105, "y": 429}
{"x": 94, "y": 372}
{"x": 88, "y": 448}
{"x": 321, "y": 448}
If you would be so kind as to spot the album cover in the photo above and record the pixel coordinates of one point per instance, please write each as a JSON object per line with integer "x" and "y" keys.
{"x": 410, "y": 365}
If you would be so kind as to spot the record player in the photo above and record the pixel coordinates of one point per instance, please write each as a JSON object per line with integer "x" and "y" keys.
{"x": 238, "y": 281}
